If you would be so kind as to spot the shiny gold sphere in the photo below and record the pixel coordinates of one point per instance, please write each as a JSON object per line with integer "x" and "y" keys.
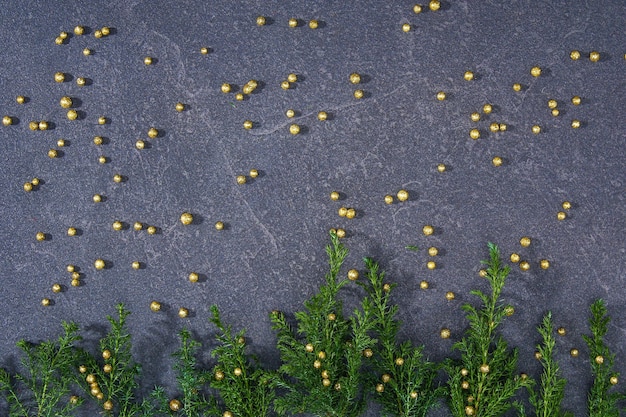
{"x": 147, "y": 60}
{"x": 353, "y": 275}
{"x": 484, "y": 368}
{"x": 136, "y": 265}
{"x": 566, "y": 205}
{"x": 175, "y": 405}
{"x": 417, "y": 9}
{"x": 482, "y": 273}
{"x": 219, "y": 225}
{"x": 253, "y": 173}
{"x": 524, "y": 265}
{"x": 193, "y": 277}
{"x": 342, "y": 211}
{"x": 72, "y": 114}
{"x": 434, "y": 5}
{"x": 321, "y": 354}
{"x": 613, "y": 380}
{"x": 56, "y": 288}
{"x": 433, "y": 251}
{"x": 179, "y": 107}
{"x": 385, "y": 378}
{"x": 290, "y": 113}
{"x": 43, "y": 125}
{"x": 599, "y": 359}
{"x": 341, "y": 233}
{"x": 487, "y": 108}
{"x": 102, "y": 159}
{"x": 87, "y": 51}
{"x": 574, "y": 55}
{"x": 292, "y": 78}
{"x": 75, "y": 282}
{"x": 140, "y": 144}
{"x": 309, "y": 347}
{"x": 99, "y": 264}
{"x": 555, "y": 112}
{"x": 468, "y": 76}
{"x": 525, "y": 241}
{"x": 106, "y": 31}
{"x": 334, "y": 195}
{"x": 424, "y": 285}
{"x": 155, "y": 306}
{"x": 322, "y": 116}
{"x": 469, "y": 410}
{"x": 536, "y": 129}
{"x": 46, "y": 302}
{"x": 576, "y": 100}
{"x": 40, "y": 236}
{"x": 293, "y": 23}
{"x": 431, "y": 265}
{"x": 153, "y": 133}
{"x": 204, "y": 50}
{"x": 350, "y": 213}
{"x": 117, "y": 225}
{"x": 574, "y": 352}
{"x": 59, "y": 77}
{"x": 294, "y": 129}
{"x": 81, "y": 82}
{"x": 496, "y": 161}
{"x": 474, "y": 134}
{"x": 186, "y": 218}
{"x": 107, "y": 405}
{"x": 332, "y": 317}
{"x": 355, "y": 78}
{"x": 260, "y": 21}
{"x": 65, "y": 102}
{"x": 313, "y": 24}
{"x": 359, "y": 94}
{"x": 576, "y": 124}
{"x": 428, "y": 230}
{"x": 544, "y": 264}
{"x": 561, "y": 215}
{"x": 79, "y": 30}
{"x": 402, "y": 195}
{"x": 594, "y": 56}
{"x": 237, "y": 371}
{"x": 388, "y": 199}
{"x": 368, "y": 353}
{"x": 515, "y": 258}
{"x": 317, "y": 364}
{"x": 183, "y": 312}
{"x": 494, "y": 127}
{"x": 151, "y": 230}
{"x": 247, "y": 124}
{"x": 517, "y": 87}
{"x": 441, "y": 168}
{"x": 445, "y": 333}
{"x": 61, "y": 143}
{"x": 450, "y": 296}
{"x": 399, "y": 361}
{"x": 226, "y": 88}
{"x": 71, "y": 231}
{"x": 380, "y": 388}
{"x": 406, "y": 27}
{"x": 441, "y": 96}
{"x": 97, "y": 198}
{"x": 97, "y": 140}
{"x": 285, "y": 85}
{"x": 475, "y": 117}
{"x": 241, "y": 179}
{"x": 28, "y": 186}
{"x": 535, "y": 71}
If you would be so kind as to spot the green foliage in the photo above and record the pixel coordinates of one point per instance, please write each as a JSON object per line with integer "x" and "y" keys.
{"x": 546, "y": 399}
{"x": 45, "y": 388}
{"x": 484, "y": 382}
{"x": 403, "y": 380}
{"x": 245, "y": 388}
{"x": 601, "y": 402}
{"x": 322, "y": 360}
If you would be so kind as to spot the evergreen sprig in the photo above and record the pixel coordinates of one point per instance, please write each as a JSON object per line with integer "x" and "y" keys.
{"x": 323, "y": 359}
{"x": 403, "y": 380}
{"x": 484, "y": 382}
{"x": 546, "y": 399}
{"x": 245, "y": 387}
{"x": 50, "y": 372}
{"x": 600, "y": 401}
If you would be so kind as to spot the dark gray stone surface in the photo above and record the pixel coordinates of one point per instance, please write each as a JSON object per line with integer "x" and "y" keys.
{"x": 271, "y": 255}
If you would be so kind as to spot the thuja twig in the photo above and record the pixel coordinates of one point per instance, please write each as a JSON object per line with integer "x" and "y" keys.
{"x": 322, "y": 360}
{"x": 546, "y": 399}
{"x": 404, "y": 379}
{"x": 50, "y": 371}
{"x": 484, "y": 382}
{"x": 601, "y": 402}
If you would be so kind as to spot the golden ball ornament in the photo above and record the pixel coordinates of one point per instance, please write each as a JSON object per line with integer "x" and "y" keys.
{"x": 74, "y": 399}
{"x": 309, "y": 347}
{"x": 321, "y": 116}
{"x": 152, "y": 230}
{"x": 20, "y": 99}
{"x": 561, "y": 331}
{"x": 46, "y": 302}
{"x": 247, "y": 124}
{"x": 71, "y": 231}
{"x": 386, "y": 287}
{"x": 313, "y": 24}
{"x": 70, "y": 268}
{"x": 341, "y": 233}
{"x": 555, "y": 112}
{"x": 538, "y": 356}
{"x": 193, "y": 277}
{"x": 147, "y": 60}
{"x": 613, "y": 380}
{"x": 509, "y": 311}
{"x": 433, "y": 251}
{"x": 107, "y": 368}
{"x": 441, "y": 167}
{"x": 61, "y": 143}
{"x": 368, "y": 353}
{"x": 524, "y": 265}
{"x": 40, "y": 236}
{"x": 72, "y": 114}
{"x": 475, "y": 117}
{"x": 413, "y": 394}
{"x": 99, "y": 264}
{"x": 468, "y": 76}
{"x": 469, "y": 410}
{"x": 99, "y": 395}
{"x": 179, "y": 107}
{"x": 503, "y": 127}
{"x": 117, "y": 225}
{"x": 399, "y": 361}
{"x": 326, "y": 382}
{"x": 517, "y": 87}
{"x": 441, "y": 96}
{"x": 219, "y": 225}
{"x": 106, "y": 31}
{"x": 515, "y": 258}
{"x": 175, "y": 405}
{"x": 140, "y": 144}
{"x": 285, "y": 85}
{"x": 97, "y": 198}
{"x": 431, "y": 265}
{"x": 496, "y": 161}
{"x": 293, "y": 23}
{"x": 576, "y": 124}
{"x": 227, "y": 414}
{"x": 219, "y": 375}
{"x": 183, "y": 312}
{"x": 482, "y": 273}
{"x": 153, "y": 133}
{"x": 445, "y": 333}
{"x": 388, "y": 199}
{"x": 290, "y": 113}
{"x": 350, "y": 213}
{"x": 237, "y": 372}
{"x": 317, "y": 364}
{"x": 56, "y": 288}
{"x": 544, "y": 264}
{"x": 325, "y": 374}
{"x": 535, "y": 71}
{"x": 474, "y": 134}
{"x": 28, "y": 186}
{"x": 98, "y": 140}
{"x": 353, "y": 275}
{"x": 494, "y": 127}
{"x": 402, "y": 195}
{"x": 75, "y": 282}
{"x": 292, "y": 78}
{"x": 385, "y": 378}
{"x": 321, "y": 354}
{"x": 417, "y": 9}
{"x": 576, "y": 100}
{"x": 599, "y": 359}
{"x": 260, "y": 21}
{"x": 573, "y": 352}
{"x": 359, "y": 94}
{"x": 574, "y": 55}
{"x": 294, "y": 129}
{"x": 406, "y": 27}
{"x": 136, "y": 265}
{"x": 241, "y": 179}
{"x": 43, "y": 125}
{"x": 331, "y": 317}
{"x": 450, "y": 296}
{"x": 428, "y": 230}
{"x": 7, "y": 120}
{"x": 561, "y": 215}
{"x": 81, "y": 82}
{"x": 424, "y": 285}
{"x": 91, "y": 378}
{"x": 204, "y": 50}
{"x": 79, "y": 30}
{"x": 434, "y": 5}
{"x": 552, "y": 104}
{"x": 465, "y": 385}
{"x": 253, "y": 173}
{"x": 75, "y": 275}
{"x": 107, "y": 405}
{"x": 566, "y": 205}
{"x": 355, "y": 78}
{"x": 226, "y": 88}
{"x": 155, "y": 306}
{"x": 86, "y": 51}
{"x": 334, "y": 195}
{"x": 59, "y": 77}
{"x": 487, "y": 108}
{"x": 380, "y": 388}
{"x": 35, "y": 181}
{"x": 186, "y": 218}
{"x": 464, "y": 372}
{"x": 594, "y": 56}
{"x": 525, "y": 241}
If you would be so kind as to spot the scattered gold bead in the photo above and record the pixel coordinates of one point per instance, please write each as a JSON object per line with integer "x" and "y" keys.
{"x": 536, "y": 129}
{"x": 117, "y": 225}
{"x": 237, "y": 371}
{"x": 99, "y": 264}
{"x": 294, "y": 129}
{"x": 59, "y": 40}
{"x": 417, "y": 9}
{"x": 555, "y": 112}
{"x": 106, "y": 31}
{"x": 428, "y": 230}
{"x": 566, "y": 205}
{"x": 292, "y": 78}
{"x": 147, "y": 60}
{"x": 28, "y": 186}
{"x": 7, "y": 120}
{"x": 535, "y": 71}
{"x": 465, "y": 385}
{"x": 358, "y": 94}
{"x": 353, "y": 275}
{"x": 517, "y": 87}
{"x": 434, "y": 5}
{"x": 239, "y": 97}
{"x": 97, "y": 198}
{"x": 71, "y": 231}
{"x": 46, "y": 302}
{"x": 75, "y": 275}
{"x": 441, "y": 167}
{"x": 574, "y": 352}
{"x": 35, "y": 181}
{"x": 538, "y": 356}
{"x": 503, "y": 127}
{"x": 317, "y": 364}
{"x": 355, "y": 78}
{"x": 75, "y": 282}
{"x": 464, "y": 372}
{"x": 594, "y": 56}
{"x": 98, "y": 140}
{"x": 140, "y": 144}
{"x": 106, "y": 354}
{"x": 552, "y": 104}
{"x": 468, "y": 76}
{"x": 368, "y": 353}
{"x": 56, "y": 288}
{"x": 151, "y": 230}
{"x": 575, "y": 124}
{"x": 524, "y": 266}
{"x": 175, "y": 405}
{"x": 424, "y": 285}
{"x": 334, "y": 195}
{"x": 59, "y": 77}
{"x": 326, "y": 382}
{"x": 193, "y": 277}
{"x": 482, "y": 273}
{"x": 253, "y": 173}
{"x": 406, "y": 27}
{"x": 496, "y": 161}
{"x": 386, "y": 287}
{"x": 136, "y": 265}
{"x": 561, "y": 215}
{"x": 309, "y": 347}
{"x": 399, "y": 361}
{"x": 260, "y": 21}
{"x": 332, "y": 317}
{"x": 153, "y": 133}
{"x": 241, "y": 179}
{"x": 290, "y": 113}
{"x": 342, "y": 211}
{"x": 431, "y": 265}
{"x": 227, "y": 414}
{"x": 293, "y": 23}
{"x": 544, "y": 264}
{"x": 183, "y": 312}
{"x": 515, "y": 258}
{"x": 204, "y": 50}
{"x": 72, "y": 114}
{"x": 469, "y": 410}
{"x": 525, "y": 241}
{"x": 86, "y": 51}
{"x": 614, "y": 380}
{"x": 155, "y": 306}
{"x": 179, "y": 107}
{"x": 474, "y": 134}
{"x": 350, "y": 213}
{"x": 576, "y": 100}
{"x": 441, "y": 96}
{"x": 81, "y": 82}
{"x": 561, "y": 331}
{"x": 79, "y": 30}
{"x": 475, "y": 117}
{"x": 599, "y": 359}
{"x": 285, "y": 85}
{"x": 341, "y": 233}
{"x": 321, "y": 354}
{"x": 40, "y": 236}
{"x": 61, "y": 143}
{"x": 20, "y": 99}
{"x": 385, "y": 378}
{"x": 444, "y": 333}
{"x": 402, "y": 195}
{"x": 484, "y": 368}
{"x": 117, "y": 178}
{"x": 313, "y": 24}
{"x": 494, "y": 127}
{"x": 574, "y": 55}
{"x": 388, "y": 199}
{"x": 43, "y": 125}
{"x": 226, "y": 88}
{"x": 433, "y": 251}
{"x": 380, "y": 388}
{"x": 322, "y": 116}
{"x": 450, "y": 296}
{"x": 509, "y": 311}
{"x": 219, "y": 226}
{"x": 487, "y": 108}
{"x": 186, "y": 218}
{"x": 247, "y": 124}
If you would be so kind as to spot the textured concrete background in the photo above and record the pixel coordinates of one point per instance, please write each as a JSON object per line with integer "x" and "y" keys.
{"x": 271, "y": 255}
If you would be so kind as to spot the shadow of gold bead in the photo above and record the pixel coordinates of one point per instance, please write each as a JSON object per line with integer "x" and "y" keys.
{"x": 135, "y": 265}
{"x": 594, "y": 56}
{"x": 576, "y": 100}
{"x": 293, "y": 23}
{"x": 313, "y": 24}
{"x": 342, "y": 211}
{"x": 86, "y": 51}
{"x": 431, "y": 265}
{"x": 575, "y": 124}
{"x": 294, "y": 129}
{"x": 517, "y": 87}
{"x": 204, "y": 50}
{"x": 193, "y": 277}
{"x": 151, "y": 230}
{"x": 97, "y": 198}
{"x": 7, "y": 120}
{"x": 99, "y": 264}
{"x": 475, "y": 117}
{"x": 406, "y": 27}
{"x": 71, "y": 231}
{"x": 574, "y": 55}
{"x": 355, "y": 78}
{"x": 424, "y": 285}
{"x": 28, "y": 186}
{"x": 56, "y": 288}
{"x": 334, "y": 195}
{"x": 292, "y": 78}
{"x": 494, "y": 127}
{"x": 450, "y": 296}
{"x": 428, "y": 230}
{"x": 117, "y": 225}
{"x": 524, "y": 266}
{"x": 359, "y": 94}
{"x": 536, "y": 129}
{"x": 388, "y": 199}
{"x": 247, "y": 124}
{"x": 525, "y": 241}
{"x": 441, "y": 96}
{"x": 241, "y": 179}
{"x": 515, "y": 258}
{"x": 285, "y": 85}
{"x": 260, "y": 21}
{"x": 81, "y": 82}
{"x": 561, "y": 215}
{"x": 402, "y": 195}
{"x": 433, "y": 251}
{"x": 468, "y": 76}
{"x": 155, "y": 306}
{"x": 140, "y": 144}
{"x": 290, "y": 113}
{"x": 434, "y": 5}
{"x": 147, "y": 60}
{"x": 153, "y": 133}
{"x": 444, "y": 333}
{"x": 117, "y": 178}
{"x": 219, "y": 225}
{"x": 253, "y": 173}
{"x": 474, "y": 134}
{"x": 226, "y": 88}
{"x": 179, "y": 107}
{"x": 496, "y": 161}
{"x": 552, "y": 104}
{"x": 535, "y": 71}
{"x": 186, "y": 218}
{"x": 59, "y": 77}
{"x": 183, "y": 312}
{"x": 46, "y": 302}
{"x": 544, "y": 264}
{"x": 322, "y": 116}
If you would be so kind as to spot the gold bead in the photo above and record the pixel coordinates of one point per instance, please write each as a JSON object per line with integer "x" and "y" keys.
{"x": 79, "y": 30}
{"x": 561, "y": 215}
{"x": 247, "y": 124}
{"x": 484, "y": 368}
{"x": 334, "y": 195}
{"x": 433, "y": 251}
{"x": 385, "y": 378}
{"x": 35, "y": 181}
{"x": 155, "y": 306}
{"x": 97, "y": 198}
{"x": 193, "y": 277}
{"x": 355, "y": 78}
{"x": 417, "y": 9}
{"x": 402, "y": 195}
{"x": 290, "y": 113}
{"x": 503, "y": 127}
{"x": 482, "y": 273}
{"x": 140, "y": 144}
{"x": 399, "y": 361}
{"x": 538, "y": 356}
{"x": 285, "y": 85}
{"x": 86, "y": 51}
{"x": 183, "y": 312}
{"x": 332, "y": 317}
{"x": 292, "y": 78}
{"x": 106, "y": 31}
{"x": 358, "y": 94}
{"x": 444, "y": 333}
{"x": 81, "y": 82}
{"x": 368, "y": 353}
{"x": 241, "y": 179}
{"x": 40, "y": 236}
{"x": 237, "y": 372}
{"x": 91, "y": 378}
{"x": 428, "y": 230}
{"x": 599, "y": 359}
{"x": 566, "y": 205}
{"x": 317, "y": 364}
{"x": 98, "y": 140}
{"x": 561, "y": 331}
{"x": 293, "y": 23}
{"x": 75, "y": 275}
{"x": 61, "y": 143}
{"x": 475, "y": 117}
{"x": 535, "y": 71}
{"x": 136, "y": 265}
{"x": 117, "y": 225}
{"x": 219, "y": 226}
{"x": 147, "y": 60}
{"x": 424, "y": 285}
{"x": 496, "y": 161}
{"x": 294, "y": 129}
{"x": 71, "y": 231}
{"x": 56, "y": 288}
{"x": 326, "y": 382}
{"x": 406, "y": 27}
{"x": 341, "y": 233}
{"x": 388, "y": 199}
{"x": 179, "y": 107}
{"x": 494, "y": 127}
{"x": 353, "y": 275}
{"x": 524, "y": 265}
{"x": 525, "y": 241}
{"x": 487, "y": 108}
{"x": 386, "y": 287}
{"x": 441, "y": 96}
{"x": 43, "y": 125}
{"x": 46, "y": 302}
{"x": 380, "y": 388}
{"x": 260, "y": 21}
{"x": 552, "y": 104}
{"x": 474, "y": 134}
{"x": 536, "y": 129}
{"x": 28, "y": 186}
{"x": 106, "y": 354}
{"x": 7, "y": 120}
{"x": 117, "y": 178}
{"x": 555, "y": 112}
{"x": 321, "y": 354}
{"x": 313, "y": 24}
{"x": 253, "y": 173}
{"x": 309, "y": 347}
{"x": 342, "y": 211}
{"x": 431, "y": 265}
{"x": 59, "y": 77}
{"x": 465, "y": 385}
{"x": 450, "y": 296}
{"x": 515, "y": 258}
{"x": 441, "y": 167}
{"x": 227, "y": 414}
{"x": 575, "y": 124}
{"x": 204, "y": 50}
{"x": 99, "y": 264}
{"x": 59, "y": 40}
{"x": 469, "y": 410}
{"x": 517, "y": 87}
{"x": 594, "y": 56}
{"x": 75, "y": 282}
{"x": 239, "y": 97}
{"x": 574, "y": 55}
{"x": 175, "y": 405}
{"x": 576, "y": 100}
{"x": 464, "y": 372}
{"x": 186, "y": 218}
{"x": 544, "y": 264}
{"x": 468, "y": 76}
{"x": 322, "y": 116}
{"x": 72, "y": 114}
{"x": 151, "y": 230}
{"x": 614, "y": 380}
{"x": 153, "y": 133}
{"x": 573, "y": 352}
{"x": 226, "y": 88}
{"x": 434, "y": 5}
{"x": 20, "y": 99}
